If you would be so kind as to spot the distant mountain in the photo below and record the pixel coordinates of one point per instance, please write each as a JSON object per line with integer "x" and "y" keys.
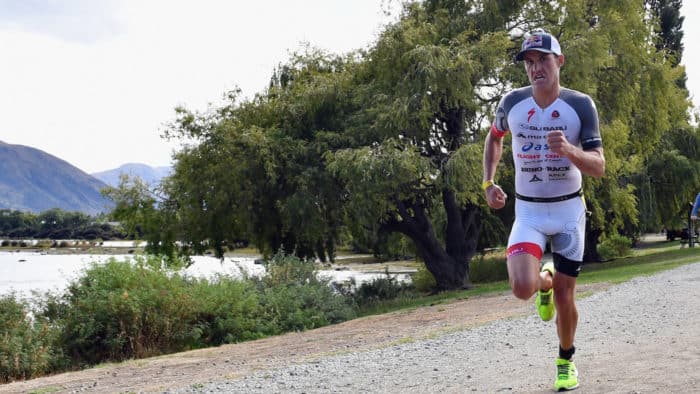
{"x": 148, "y": 174}
{"x": 33, "y": 180}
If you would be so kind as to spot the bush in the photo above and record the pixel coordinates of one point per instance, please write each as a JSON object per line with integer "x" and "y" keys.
{"x": 614, "y": 246}
{"x": 379, "y": 289}
{"x": 483, "y": 268}
{"x": 288, "y": 270}
{"x": 132, "y": 309}
{"x": 423, "y": 280}
{"x": 226, "y": 311}
{"x": 486, "y": 268}
{"x": 119, "y": 310}
{"x": 25, "y": 343}
{"x": 294, "y": 298}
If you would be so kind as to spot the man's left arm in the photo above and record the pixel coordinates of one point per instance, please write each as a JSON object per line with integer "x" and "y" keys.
{"x": 588, "y": 157}
{"x": 590, "y": 162}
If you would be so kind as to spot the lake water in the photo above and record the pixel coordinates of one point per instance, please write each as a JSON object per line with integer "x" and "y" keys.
{"x": 24, "y": 272}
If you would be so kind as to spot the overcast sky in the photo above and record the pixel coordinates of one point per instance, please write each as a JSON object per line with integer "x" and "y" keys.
{"x": 93, "y": 82}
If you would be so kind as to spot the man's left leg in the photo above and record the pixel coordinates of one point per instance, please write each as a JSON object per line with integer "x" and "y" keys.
{"x": 567, "y": 320}
{"x": 567, "y": 314}
{"x": 567, "y": 253}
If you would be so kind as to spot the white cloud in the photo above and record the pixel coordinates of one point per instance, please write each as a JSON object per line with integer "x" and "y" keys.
{"x": 84, "y": 21}
{"x": 99, "y": 103}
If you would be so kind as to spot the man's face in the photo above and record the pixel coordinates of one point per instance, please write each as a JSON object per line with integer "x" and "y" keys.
{"x": 543, "y": 68}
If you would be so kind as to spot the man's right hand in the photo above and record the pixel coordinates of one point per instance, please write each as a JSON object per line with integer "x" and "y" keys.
{"x": 693, "y": 217}
{"x": 495, "y": 197}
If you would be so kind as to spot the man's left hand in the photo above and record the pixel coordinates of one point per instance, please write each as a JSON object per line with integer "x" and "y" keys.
{"x": 558, "y": 143}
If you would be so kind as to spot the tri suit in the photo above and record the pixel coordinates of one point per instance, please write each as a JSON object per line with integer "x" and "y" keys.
{"x": 549, "y": 201}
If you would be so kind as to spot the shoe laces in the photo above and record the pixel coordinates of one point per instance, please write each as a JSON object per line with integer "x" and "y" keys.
{"x": 563, "y": 370}
{"x": 545, "y": 298}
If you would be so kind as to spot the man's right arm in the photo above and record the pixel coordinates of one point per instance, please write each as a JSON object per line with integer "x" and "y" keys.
{"x": 493, "y": 149}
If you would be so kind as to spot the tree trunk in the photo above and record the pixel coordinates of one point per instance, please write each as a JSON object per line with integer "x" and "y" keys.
{"x": 449, "y": 274}
{"x": 462, "y": 232}
{"x": 449, "y": 264}
{"x": 590, "y": 251}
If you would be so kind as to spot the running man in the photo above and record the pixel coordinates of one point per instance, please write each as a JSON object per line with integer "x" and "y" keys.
{"x": 555, "y": 139}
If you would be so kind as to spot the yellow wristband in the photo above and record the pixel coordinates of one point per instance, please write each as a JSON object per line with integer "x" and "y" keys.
{"x": 487, "y": 184}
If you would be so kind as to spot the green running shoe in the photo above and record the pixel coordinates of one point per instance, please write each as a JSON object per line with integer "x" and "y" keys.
{"x": 567, "y": 375}
{"x": 545, "y": 299}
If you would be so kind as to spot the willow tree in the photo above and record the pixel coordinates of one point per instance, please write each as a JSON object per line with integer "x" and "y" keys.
{"x": 254, "y": 171}
{"x": 427, "y": 88}
{"x": 145, "y": 214}
{"x": 671, "y": 175}
{"x": 641, "y": 104}
{"x": 287, "y": 169}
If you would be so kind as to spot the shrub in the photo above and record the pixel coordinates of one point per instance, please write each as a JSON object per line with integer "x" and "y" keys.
{"x": 483, "y": 268}
{"x": 288, "y": 270}
{"x": 423, "y": 280}
{"x": 486, "y": 268}
{"x": 379, "y": 289}
{"x": 226, "y": 311}
{"x": 614, "y": 246}
{"x": 25, "y": 343}
{"x": 294, "y": 298}
{"x": 137, "y": 308}
{"x": 119, "y": 310}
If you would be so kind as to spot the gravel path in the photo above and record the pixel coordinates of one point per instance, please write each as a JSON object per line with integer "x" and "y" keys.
{"x": 642, "y": 336}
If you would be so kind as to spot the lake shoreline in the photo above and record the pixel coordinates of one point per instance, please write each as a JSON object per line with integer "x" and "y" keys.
{"x": 24, "y": 270}
{"x": 354, "y": 261}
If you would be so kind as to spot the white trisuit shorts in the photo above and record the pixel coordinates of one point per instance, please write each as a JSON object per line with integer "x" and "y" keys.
{"x": 564, "y": 222}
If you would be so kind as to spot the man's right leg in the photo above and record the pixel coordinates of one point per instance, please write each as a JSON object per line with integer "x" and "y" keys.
{"x": 525, "y": 276}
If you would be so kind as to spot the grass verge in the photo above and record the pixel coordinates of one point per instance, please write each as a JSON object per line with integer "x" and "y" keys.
{"x": 642, "y": 262}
